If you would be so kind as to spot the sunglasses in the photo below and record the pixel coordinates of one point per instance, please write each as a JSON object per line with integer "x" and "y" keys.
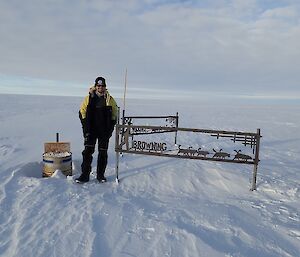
{"x": 100, "y": 85}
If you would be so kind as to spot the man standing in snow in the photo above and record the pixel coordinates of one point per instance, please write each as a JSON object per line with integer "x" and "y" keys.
{"x": 98, "y": 114}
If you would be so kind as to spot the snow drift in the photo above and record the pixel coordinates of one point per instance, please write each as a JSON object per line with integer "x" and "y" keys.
{"x": 162, "y": 207}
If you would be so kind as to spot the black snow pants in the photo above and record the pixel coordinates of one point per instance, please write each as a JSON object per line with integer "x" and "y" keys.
{"x": 87, "y": 155}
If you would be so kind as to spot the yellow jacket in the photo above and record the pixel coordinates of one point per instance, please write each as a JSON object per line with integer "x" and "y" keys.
{"x": 110, "y": 101}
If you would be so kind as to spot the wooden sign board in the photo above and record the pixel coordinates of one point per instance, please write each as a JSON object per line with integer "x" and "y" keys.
{"x": 57, "y": 147}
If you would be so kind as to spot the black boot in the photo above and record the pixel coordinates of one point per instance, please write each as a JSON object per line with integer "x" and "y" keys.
{"x": 83, "y": 178}
{"x": 101, "y": 179}
{"x": 87, "y": 158}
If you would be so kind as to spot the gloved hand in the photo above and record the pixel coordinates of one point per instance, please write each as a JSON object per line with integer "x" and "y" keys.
{"x": 112, "y": 127}
{"x": 85, "y": 131}
{"x": 83, "y": 124}
{"x": 87, "y": 138}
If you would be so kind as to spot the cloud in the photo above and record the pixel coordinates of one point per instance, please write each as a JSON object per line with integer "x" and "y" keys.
{"x": 234, "y": 46}
{"x": 289, "y": 13}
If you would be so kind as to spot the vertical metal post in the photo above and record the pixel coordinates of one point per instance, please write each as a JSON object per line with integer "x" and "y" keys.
{"x": 123, "y": 117}
{"x": 123, "y": 130}
{"x": 125, "y": 90}
{"x": 176, "y": 128}
{"x": 256, "y": 160}
{"x": 117, "y": 144}
{"x": 57, "y": 137}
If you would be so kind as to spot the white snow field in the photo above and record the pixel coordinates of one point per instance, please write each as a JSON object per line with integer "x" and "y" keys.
{"x": 162, "y": 206}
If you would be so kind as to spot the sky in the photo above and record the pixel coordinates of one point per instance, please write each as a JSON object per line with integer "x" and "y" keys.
{"x": 246, "y": 48}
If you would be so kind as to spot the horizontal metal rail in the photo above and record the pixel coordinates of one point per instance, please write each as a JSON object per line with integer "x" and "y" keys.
{"x": 162, "y": 154}
{"x": 150, "y": 117}
{"x": 207, "y": 131}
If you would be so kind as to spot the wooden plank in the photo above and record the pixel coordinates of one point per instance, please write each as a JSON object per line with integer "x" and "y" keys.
{"x": 57, "y": 147}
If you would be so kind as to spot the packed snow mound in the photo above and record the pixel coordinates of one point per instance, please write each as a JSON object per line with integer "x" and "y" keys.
{"x": 58, "y": 174}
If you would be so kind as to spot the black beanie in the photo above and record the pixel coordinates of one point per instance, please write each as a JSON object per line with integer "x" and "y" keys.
{"x": 100, "y": 80}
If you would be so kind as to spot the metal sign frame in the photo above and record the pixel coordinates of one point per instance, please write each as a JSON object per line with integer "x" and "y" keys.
{"x": 170, "y": 121}
{"x": 127, "y": 130}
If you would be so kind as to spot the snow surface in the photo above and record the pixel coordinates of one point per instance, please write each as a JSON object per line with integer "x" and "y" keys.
{"x": 162, "y": 206}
